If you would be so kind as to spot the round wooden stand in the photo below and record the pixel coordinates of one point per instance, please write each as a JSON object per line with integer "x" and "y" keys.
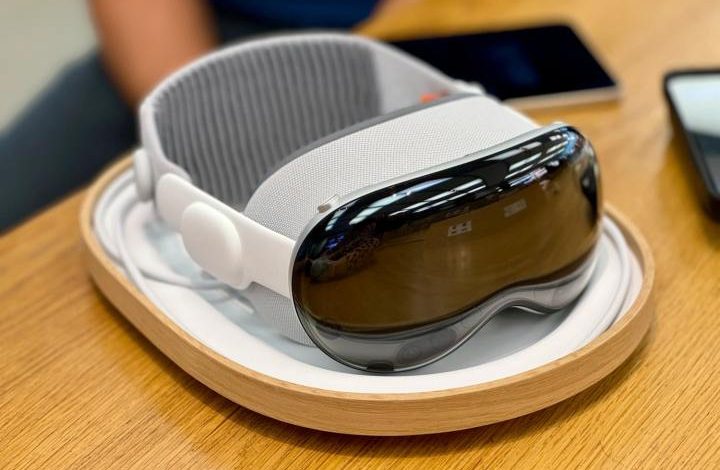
{"x": 365, "y": 413}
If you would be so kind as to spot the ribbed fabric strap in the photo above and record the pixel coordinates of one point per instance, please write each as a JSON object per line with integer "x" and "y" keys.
{"x": 229, "y": 122}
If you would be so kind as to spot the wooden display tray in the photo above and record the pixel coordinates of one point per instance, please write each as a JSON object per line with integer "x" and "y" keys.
{"x": 366, "y": 413}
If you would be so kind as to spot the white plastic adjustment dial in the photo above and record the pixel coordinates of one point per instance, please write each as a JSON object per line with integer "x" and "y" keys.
{"x": 213, "y": 242}
{"x": 143, "y": 175}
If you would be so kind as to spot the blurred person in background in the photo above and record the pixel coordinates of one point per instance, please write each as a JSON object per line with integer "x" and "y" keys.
{"x": 86, "y": 116}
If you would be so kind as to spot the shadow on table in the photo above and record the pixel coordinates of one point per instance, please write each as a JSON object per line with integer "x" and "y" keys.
{"x": 449, "y": 442}
{"x": 241, "y": 423}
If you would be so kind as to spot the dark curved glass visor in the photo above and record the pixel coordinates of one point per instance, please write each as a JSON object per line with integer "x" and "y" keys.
{"x": 399, "y": 276}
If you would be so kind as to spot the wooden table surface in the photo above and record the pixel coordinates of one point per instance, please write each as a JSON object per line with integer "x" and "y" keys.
{"x": 79, "y": 387}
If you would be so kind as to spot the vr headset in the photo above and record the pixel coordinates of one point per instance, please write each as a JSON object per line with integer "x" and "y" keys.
{"x": 364, "y": 202}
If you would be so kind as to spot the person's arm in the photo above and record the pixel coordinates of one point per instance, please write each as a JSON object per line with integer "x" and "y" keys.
{"x": 142, "y": 41}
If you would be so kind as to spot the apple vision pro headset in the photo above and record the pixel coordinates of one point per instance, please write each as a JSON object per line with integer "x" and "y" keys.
{"x": 363, "y": 201}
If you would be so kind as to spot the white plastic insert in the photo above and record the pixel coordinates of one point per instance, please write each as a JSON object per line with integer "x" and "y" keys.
{"x": 514, "y": 342}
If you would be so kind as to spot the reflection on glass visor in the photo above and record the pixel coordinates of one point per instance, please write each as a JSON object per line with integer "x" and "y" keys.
{"x": 398, "y": 277}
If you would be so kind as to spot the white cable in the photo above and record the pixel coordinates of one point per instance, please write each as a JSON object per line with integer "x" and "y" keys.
{"x": 113, "y": 243}
{"x": 127, "y": 202}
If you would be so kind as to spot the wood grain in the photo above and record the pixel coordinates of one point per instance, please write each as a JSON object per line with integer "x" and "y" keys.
{"x": 80, "y": 387}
